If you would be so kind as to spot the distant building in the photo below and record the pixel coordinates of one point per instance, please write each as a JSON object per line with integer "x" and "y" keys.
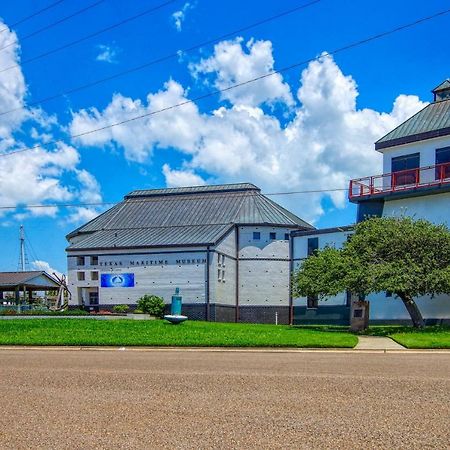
{"x": 415, "y": 182}
{"x": 226, "y": 247}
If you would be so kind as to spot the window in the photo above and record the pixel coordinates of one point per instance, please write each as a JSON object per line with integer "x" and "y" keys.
{"x": 219, "y": 274}
{"x": 406, "y": 166}
{"x": 312, "y": 302}
{"x": 272, "y": 236}
{"x": 94, "y": 275}
{"x": 286, "y": 236}
{"x": 313, "y": 245}
{"x": 443, "y": 159}
{"x": 80, "y": 276}
{"x": 94, "y": 260}
{"x": 80, "y": 260}
{"x": 256, "y": 235}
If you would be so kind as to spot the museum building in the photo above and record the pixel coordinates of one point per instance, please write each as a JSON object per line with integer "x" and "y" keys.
{"x": 227, "y": 247}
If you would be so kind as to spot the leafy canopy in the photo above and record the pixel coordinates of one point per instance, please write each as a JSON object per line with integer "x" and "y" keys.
{"x": 402, "y": 255}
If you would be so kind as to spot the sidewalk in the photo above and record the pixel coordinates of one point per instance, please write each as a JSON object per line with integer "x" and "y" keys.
{"x": 377, "y": 343}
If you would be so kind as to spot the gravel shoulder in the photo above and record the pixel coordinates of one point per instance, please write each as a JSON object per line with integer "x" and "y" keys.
{"x": 190, "y": 399}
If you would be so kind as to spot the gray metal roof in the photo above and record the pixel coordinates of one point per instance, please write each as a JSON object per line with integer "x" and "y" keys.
{"x": 432, "y": 121}
{"x": 189, "y": 235}
{"x": 442, "y": 87}
{"x": 182, "y": 216}
{"x": 33, "y": 278}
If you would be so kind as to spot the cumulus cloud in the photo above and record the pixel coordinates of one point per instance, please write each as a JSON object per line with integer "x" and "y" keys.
{"x": 326, "y": 141}
{"x": 233, "y": 63}
{"x": 45, "y": 266}
{"x": 178, "y": 17}
{"x": 39, "y": 175}
{"x": 179, "y": 178}
{"x": 107, "y": 53}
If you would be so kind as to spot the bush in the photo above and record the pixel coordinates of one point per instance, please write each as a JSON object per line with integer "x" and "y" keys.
{"x": 8, "y": 312}
{"x": 138, "y": 311}
{"x": 120, "y": 309}
{"x": 152, "y": 304}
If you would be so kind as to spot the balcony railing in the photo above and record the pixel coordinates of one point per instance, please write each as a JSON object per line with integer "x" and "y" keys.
{"x": 403, "y": 180}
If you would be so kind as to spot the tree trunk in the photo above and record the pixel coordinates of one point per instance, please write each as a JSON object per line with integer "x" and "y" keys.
{"x": 413, "y": 310}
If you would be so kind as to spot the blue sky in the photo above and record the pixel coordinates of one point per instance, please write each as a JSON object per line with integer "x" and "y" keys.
{"x": 268, "y": 133}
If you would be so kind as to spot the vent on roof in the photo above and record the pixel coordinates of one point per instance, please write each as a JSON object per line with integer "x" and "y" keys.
{"x": 236, "y": 187}
{"x": 442, "y": 92}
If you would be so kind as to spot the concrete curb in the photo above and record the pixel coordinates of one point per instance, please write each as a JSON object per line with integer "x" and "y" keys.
{"x": 221, "y": 349}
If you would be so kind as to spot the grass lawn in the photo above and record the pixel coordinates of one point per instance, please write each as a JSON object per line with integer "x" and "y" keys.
{"x": 409, "y": 337}
{"x": 160, "y": 333}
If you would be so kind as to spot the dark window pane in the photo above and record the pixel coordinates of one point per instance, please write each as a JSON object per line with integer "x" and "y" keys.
{"x": 312, "y": 302}
{"x": 273, "y": 236}
{"x": 256, "y": 235}
{"x": 286, "y": 236}
{"x": 313, "y": 245}
{"x": 443, "y": 157}
{"x": 405, "y": 165}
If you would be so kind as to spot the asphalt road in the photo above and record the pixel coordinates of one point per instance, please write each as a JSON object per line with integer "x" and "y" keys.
{"x": 203, "y": 399}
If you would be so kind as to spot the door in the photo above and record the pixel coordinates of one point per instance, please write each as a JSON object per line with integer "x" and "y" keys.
{"x": 93, "y": 301}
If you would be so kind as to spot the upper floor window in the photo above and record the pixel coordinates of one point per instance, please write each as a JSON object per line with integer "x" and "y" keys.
{"x": 272, "y": 236}
{"x": 286, "y": 236}
{"x": 405, "y": 166}
{"x": 256, "y": 235}
{"x": 80, "y": 276}
{"x": 313, "y": 245}
{"x": 80, "y": 260}
{"x": 94, "y": 260}
{"x": 443, "y": 159}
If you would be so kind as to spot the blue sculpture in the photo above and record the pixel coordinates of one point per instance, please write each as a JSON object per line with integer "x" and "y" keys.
{"x": 175, "y": 316}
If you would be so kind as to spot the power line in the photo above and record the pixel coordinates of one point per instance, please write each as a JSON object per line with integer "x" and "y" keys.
{"x": 89, "y": 36}
{"x": 234, "y": 86}
{"x": 32, "y": 15}
{"x": 54, "y": 24}
{"x": 79, "y": 205}
{"x": 164, "y": 58}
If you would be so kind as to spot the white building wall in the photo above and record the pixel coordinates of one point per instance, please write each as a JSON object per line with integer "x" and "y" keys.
{"x": 223, "y": 271}
{"x": 263, "y": 267}
{"x": 154, "y": 273}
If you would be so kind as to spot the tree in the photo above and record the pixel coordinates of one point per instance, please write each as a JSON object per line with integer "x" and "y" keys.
{"x": 151, "y": 304}
{"x": 407, "y": 257}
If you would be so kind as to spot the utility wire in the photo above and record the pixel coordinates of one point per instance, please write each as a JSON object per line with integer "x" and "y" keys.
{"x": 54, "y": 24}
{"x": 32, "y": 15}
{"x": 234, "y": 86}
{"x": 78, "y": 205}
{"x": 89, "y": 36}
{"x": 164, "y": 58}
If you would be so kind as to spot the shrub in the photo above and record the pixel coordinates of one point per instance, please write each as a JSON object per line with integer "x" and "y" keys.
{"x": 152, "y": 304}
{"x": 121, "y": 309}
{"x": 8, "y": 312}
{"x": 138, "y": 311}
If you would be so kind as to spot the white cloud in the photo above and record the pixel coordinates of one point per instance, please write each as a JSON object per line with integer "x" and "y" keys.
{"x": 178, "y": 17}
{"x": 327, "y": 141}
{"x": 45, "y": 266}
{"x": 107, "y": 53}
{"x": 234, "y": 63}
{"x": 177, "y": 178}
{"x": 40, "y": 175}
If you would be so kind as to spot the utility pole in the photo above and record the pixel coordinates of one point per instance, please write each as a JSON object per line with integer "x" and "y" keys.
{"x": 22, "y": 249}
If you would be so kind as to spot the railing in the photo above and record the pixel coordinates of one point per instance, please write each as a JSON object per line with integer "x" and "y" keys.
{"x": 402, "y": 180}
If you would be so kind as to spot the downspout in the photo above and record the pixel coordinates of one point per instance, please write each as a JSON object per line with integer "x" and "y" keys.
{"x": 207, "y": 284}
{"x": 236, "y": 317}
{"x": 291, "y": 269}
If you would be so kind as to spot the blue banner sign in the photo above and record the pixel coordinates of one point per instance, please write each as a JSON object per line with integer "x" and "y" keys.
{"x": 121, "y": 280}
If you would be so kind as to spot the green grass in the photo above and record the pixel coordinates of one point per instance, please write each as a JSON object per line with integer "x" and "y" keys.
{"x": 160, "y": 333}
{"x": 409, "y": 337}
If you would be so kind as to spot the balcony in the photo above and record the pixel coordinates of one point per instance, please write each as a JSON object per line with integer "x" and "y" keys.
{"x": 401, "y": 181}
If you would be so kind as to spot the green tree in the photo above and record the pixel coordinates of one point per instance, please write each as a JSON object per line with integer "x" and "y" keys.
{"x": 151, "y": 304}
{"x": 407, "y": 257}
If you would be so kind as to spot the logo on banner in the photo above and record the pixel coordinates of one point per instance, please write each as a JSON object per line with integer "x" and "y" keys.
{"x": 121, "y": 280}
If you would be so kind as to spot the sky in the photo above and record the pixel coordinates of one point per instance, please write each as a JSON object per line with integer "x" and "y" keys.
{"x": 309, "y": 128}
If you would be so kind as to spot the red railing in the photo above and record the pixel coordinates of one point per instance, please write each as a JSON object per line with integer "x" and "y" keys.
{"x": 402, "y": 180}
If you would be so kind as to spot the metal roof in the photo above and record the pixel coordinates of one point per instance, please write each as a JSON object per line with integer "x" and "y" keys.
{"x": 442, "y": 87}
{"x": 153, "y": 237}
{"x": 181, "y": 216}
{"x": 432, "y": 121}
{"x": 34, "y": 278}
